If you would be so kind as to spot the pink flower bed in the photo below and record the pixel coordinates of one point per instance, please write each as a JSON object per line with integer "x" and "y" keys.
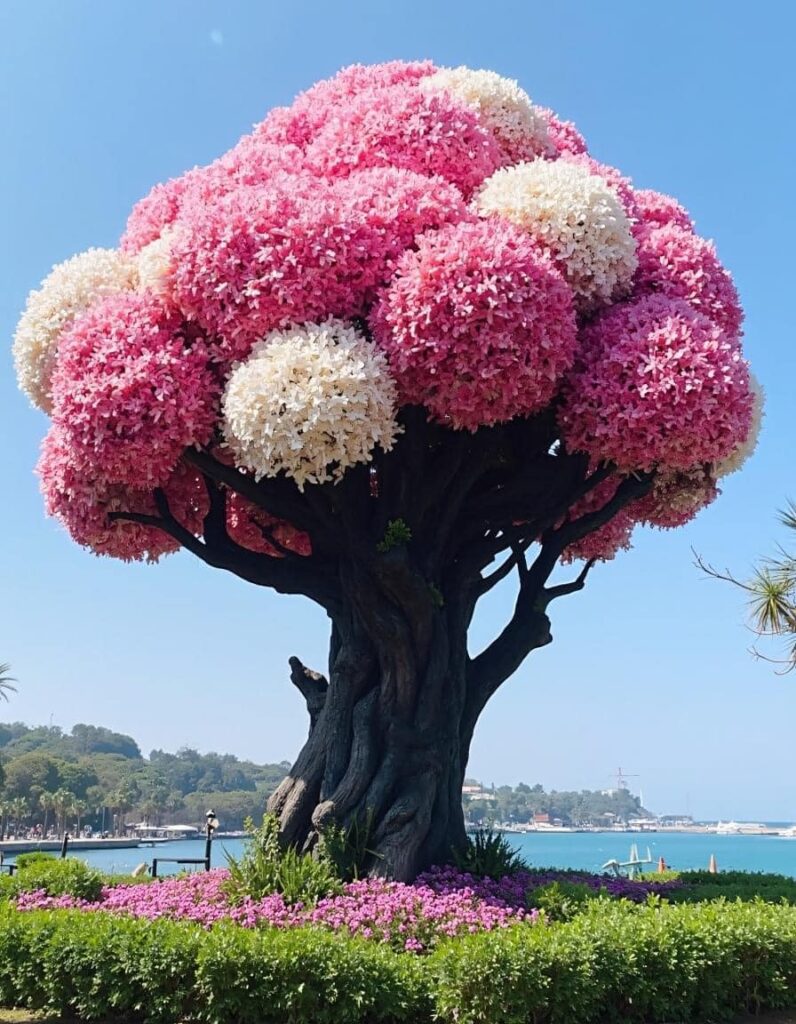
{"x": 409, "y": 917}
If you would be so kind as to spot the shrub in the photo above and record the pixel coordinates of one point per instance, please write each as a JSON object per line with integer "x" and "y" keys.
{"x": 699, "y": 886}
{"x": 306, "y": 976}
{"x": 561, "y": 901}
{"x": 488, "y": 855}
{"x": 34, "y": 857}
{"x": 58, "y": 878}
{"x": 266, "y": 867}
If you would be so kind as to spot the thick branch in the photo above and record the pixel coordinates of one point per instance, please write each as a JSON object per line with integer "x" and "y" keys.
{"x": 312, "y": 686}
{"x": 562, "y": 589}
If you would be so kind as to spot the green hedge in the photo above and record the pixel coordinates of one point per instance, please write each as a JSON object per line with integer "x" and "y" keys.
{"x": 613, "y": 962}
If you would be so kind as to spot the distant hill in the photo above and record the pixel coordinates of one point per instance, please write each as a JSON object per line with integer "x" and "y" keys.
{"x": 109, "y": 780}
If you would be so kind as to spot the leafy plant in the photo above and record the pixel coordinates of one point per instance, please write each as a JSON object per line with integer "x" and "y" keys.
{"x": 561, "y": 901}
{"x": 68, "y": 877}
{"x": 24, "y": 860}
{"x": 267, "y": 867}
{"x": 348, "y": 848}
{"x": 396, "y": 534}
{"x": 488, "y": 855}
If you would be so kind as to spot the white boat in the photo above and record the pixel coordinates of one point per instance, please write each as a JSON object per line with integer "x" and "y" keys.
{"x": 742, "y": 828}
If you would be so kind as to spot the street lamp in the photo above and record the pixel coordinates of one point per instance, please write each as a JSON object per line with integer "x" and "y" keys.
{"x": 210, "y": 827}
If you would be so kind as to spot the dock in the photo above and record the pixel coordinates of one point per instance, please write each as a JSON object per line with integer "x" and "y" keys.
{"x": 12, "y": 847}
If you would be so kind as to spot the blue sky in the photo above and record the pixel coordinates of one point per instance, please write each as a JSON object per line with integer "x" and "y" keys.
{"x": 649, "y": 669}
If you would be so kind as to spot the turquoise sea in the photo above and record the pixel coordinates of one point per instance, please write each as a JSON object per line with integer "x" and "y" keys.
{"x": 585, "y": 850}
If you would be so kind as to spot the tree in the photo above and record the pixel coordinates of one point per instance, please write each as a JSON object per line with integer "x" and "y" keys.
{"x": 47, "y": 804}
{"x": 63, "y": 802}
{"x": 771, "y": 594}
{"x": 6, "y": 681}
{"x": 402, "y": 342}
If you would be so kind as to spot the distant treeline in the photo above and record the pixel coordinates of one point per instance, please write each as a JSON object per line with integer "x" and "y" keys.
{"x": 520, "y": 803}
{"x": 52, "y": 779}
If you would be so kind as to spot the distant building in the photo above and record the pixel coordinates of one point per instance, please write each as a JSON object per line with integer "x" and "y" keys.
{"x": 541, "y": 819}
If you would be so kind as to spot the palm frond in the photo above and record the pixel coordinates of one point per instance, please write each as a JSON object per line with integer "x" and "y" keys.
{"x": 771, "y": 605}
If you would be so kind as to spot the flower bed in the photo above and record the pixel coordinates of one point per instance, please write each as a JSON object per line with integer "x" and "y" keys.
{"x": 442, "y": 903}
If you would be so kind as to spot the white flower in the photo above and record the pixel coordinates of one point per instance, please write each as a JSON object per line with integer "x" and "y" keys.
{"x": 574, "y": 213}
{"x": 310, "y": 401}
{"x": 153, "y": 263}
{"x": 745, "y": 450}
{"x": 502, "y": 105}
{"x": 69, "y": 289}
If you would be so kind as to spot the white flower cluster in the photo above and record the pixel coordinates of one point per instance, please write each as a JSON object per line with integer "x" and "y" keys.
{"x": 69, "y": 289}
{"x": 744, "y": 451}
{"x": 504, "y": 107}
{"x": 574, "y": 213}
{"x": 310, "y": 401}
{"x": 153, "y": 263}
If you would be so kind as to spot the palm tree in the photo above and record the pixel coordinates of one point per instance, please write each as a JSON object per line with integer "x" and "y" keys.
{"x": 19, "y": 811}
{"x": 6, "y": 681}
{"x": 771, "y": 593}
{"x": 79, "y": 808}
{"x": 3, "y": 818}
{"x": 47, "y": 802}
{"x": 64, "y": 800}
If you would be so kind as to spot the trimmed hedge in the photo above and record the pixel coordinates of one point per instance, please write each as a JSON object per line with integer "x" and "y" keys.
{"x": 613, "y": 962}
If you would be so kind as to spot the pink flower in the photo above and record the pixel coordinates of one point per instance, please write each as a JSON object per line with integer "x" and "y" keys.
{"x": 132, "y": 389}
{"x": 656, "y": 384}
{"x": 674, "y": 261}
{"x": 478, "y": 324}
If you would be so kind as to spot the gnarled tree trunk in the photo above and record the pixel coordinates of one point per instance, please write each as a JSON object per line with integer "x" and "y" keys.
{"x": 391, "y": 729}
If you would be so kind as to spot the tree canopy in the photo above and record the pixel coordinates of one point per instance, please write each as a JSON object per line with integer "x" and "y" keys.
{"x": 405, "y": 339}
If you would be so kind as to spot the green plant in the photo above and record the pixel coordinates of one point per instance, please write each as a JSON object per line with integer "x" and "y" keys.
{"x": 396, "y": 534}
{"x": 266, "y": 867}
{"x": 59, "y": 878}
{"x": 348, "y": 847}
{"x": 488, "y": 854}
{"x": 561, "y": 901}
{"x": 24, "y": 860}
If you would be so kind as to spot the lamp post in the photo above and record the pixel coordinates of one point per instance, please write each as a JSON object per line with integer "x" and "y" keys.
{"x": 210, "y": 827}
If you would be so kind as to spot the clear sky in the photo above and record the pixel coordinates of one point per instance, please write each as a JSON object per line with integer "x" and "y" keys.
{"x": 649, "y": 669}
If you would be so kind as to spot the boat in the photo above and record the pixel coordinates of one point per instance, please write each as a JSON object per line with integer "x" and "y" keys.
{"x": 743, "y": 828}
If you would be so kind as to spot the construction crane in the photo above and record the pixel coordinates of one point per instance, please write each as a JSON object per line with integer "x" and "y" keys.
{"x": 622, "y": 777}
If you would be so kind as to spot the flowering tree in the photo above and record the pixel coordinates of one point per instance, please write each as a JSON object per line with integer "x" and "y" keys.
{"x": 403, "y": 340}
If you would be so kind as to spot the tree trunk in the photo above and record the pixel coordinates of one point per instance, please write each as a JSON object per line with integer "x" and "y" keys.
{"x": 389, "y": 736}
{"x": 390, "y": 729}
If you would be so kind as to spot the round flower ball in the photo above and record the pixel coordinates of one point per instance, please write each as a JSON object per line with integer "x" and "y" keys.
{"x": 404, "y": 127}
{"x": 680, "y": 264}
{"x": 564, "y": 137}
{"x": 478, "y": 324}
{"x": 84, "y": 506}
{"x": 501, "y": 105}
{"x": 261, "y": 259}
{"x": 744, "y": 451}
{"x": 251, "y": 527}
{"x": 310, "y": 402}
{"x": 657, "y": 384}
{"x": 299, "y": 123}
{"x": 131, "y": 391}
{"x": 656, "y": 210}
{"x": 67, "y": 291}
{"x": 577, "y": 215}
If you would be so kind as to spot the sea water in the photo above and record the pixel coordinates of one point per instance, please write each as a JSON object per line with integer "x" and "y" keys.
{"x": 587, "y": 851}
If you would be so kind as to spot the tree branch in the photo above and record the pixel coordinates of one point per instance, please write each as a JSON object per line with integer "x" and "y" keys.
{"x": 560, "y": 590}
{"x": 312, "y": 686}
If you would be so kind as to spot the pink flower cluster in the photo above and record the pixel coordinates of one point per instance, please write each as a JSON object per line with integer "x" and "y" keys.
{"x": 478, "y": 324}
{"x": 657, "y": 385}
{"x": 132, "y": 389}
{"x": 409, "y": 917}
